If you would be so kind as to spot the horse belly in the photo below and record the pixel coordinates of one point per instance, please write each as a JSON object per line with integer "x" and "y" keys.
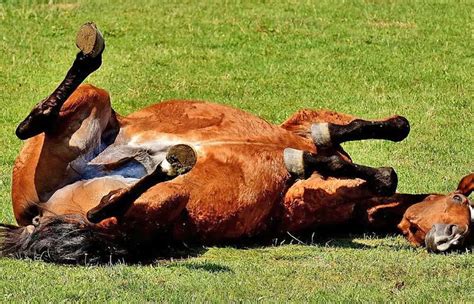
{"x": 81, "y": 196}
{"x": 233, "y": 193}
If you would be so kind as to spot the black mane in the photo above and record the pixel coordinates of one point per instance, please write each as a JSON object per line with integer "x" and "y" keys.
{"x": 67, "y": 239}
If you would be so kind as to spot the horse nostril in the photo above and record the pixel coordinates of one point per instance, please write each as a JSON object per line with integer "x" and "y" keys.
{"x": 444, "y": 237}
{"x": 450, "y": 230}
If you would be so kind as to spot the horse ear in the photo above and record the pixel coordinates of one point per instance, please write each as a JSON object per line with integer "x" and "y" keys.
{"x": 466, "y": 185}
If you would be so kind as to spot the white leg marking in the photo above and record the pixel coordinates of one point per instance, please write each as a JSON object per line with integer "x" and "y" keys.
{"x": 320, "y": 134}
{"x": 294, "y": 161}
{"x": 166, "y": 167}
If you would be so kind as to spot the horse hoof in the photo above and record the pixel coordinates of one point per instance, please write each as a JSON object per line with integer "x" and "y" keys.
{"x": 179, "y": 160}
{"x": 399, "y": 128}
{"x": 90, "y": 40}
{"x": 385, "y": 181}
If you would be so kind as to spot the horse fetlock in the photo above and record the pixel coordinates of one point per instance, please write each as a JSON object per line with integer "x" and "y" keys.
{"x": 321, "y": 135}
{"x": 294, "y": 161}
{"x": 91, "y": 43}
{"x": 179, "y": 160}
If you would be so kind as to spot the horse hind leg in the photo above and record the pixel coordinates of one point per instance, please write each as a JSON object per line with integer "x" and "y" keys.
{"x": 41, "y": 119}
{"x": 395, "y": 129}
{"x": 382, "y": 181}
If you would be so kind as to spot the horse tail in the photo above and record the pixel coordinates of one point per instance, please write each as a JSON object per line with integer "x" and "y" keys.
{"x": 66, "y": 239}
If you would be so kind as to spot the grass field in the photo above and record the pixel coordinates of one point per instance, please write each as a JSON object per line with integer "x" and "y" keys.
{"x": 369, "y": 58}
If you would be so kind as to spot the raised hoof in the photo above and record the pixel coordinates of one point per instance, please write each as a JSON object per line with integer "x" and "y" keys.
{"x": 385, "y": 181}
{"x": 90, "y": 40}
{"x": 179, "y": 160}
{"x": 400, "y": 128}
{"x": 294, "y": 161}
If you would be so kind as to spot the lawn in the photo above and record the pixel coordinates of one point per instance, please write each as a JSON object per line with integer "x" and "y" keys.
{"x": 369, "y": 58}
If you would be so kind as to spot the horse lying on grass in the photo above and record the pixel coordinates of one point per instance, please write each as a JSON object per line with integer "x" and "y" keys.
{"x": 90, "y": 186}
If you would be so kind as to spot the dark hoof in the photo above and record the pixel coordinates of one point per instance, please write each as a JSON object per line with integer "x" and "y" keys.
{"x": 90, "y": 40}
{"x": 181, "y": 159}
{"x": 400, "y": 128}
{"x": 384, "y": 182}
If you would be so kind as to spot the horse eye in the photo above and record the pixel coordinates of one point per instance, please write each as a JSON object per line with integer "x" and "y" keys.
{"x": 457, "y": 198}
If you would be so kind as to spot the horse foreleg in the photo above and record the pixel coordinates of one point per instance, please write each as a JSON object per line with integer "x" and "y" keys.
{"x": 42, "y": 117}
{"x": 48, "y": 162}
{"x": 383, "y": 181}
{"x": 179, "y": 160}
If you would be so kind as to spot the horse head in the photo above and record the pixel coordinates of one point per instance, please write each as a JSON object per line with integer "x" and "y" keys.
{"x": 442, "y": 222}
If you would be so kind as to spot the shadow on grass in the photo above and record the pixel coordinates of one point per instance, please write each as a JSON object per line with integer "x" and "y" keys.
{"x": 328, "y": 236}
{"x": 163, "y": 250}
{"x": 202, "y": 266}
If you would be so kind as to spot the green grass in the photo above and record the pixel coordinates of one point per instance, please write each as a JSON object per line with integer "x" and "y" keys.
{"x": 369, "y": 58}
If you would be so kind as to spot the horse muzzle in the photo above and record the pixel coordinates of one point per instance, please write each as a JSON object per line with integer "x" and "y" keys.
{"x": 445, "y": 237}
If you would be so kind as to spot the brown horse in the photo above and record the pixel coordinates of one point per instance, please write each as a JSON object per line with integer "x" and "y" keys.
{"x": 90, "y": 185}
